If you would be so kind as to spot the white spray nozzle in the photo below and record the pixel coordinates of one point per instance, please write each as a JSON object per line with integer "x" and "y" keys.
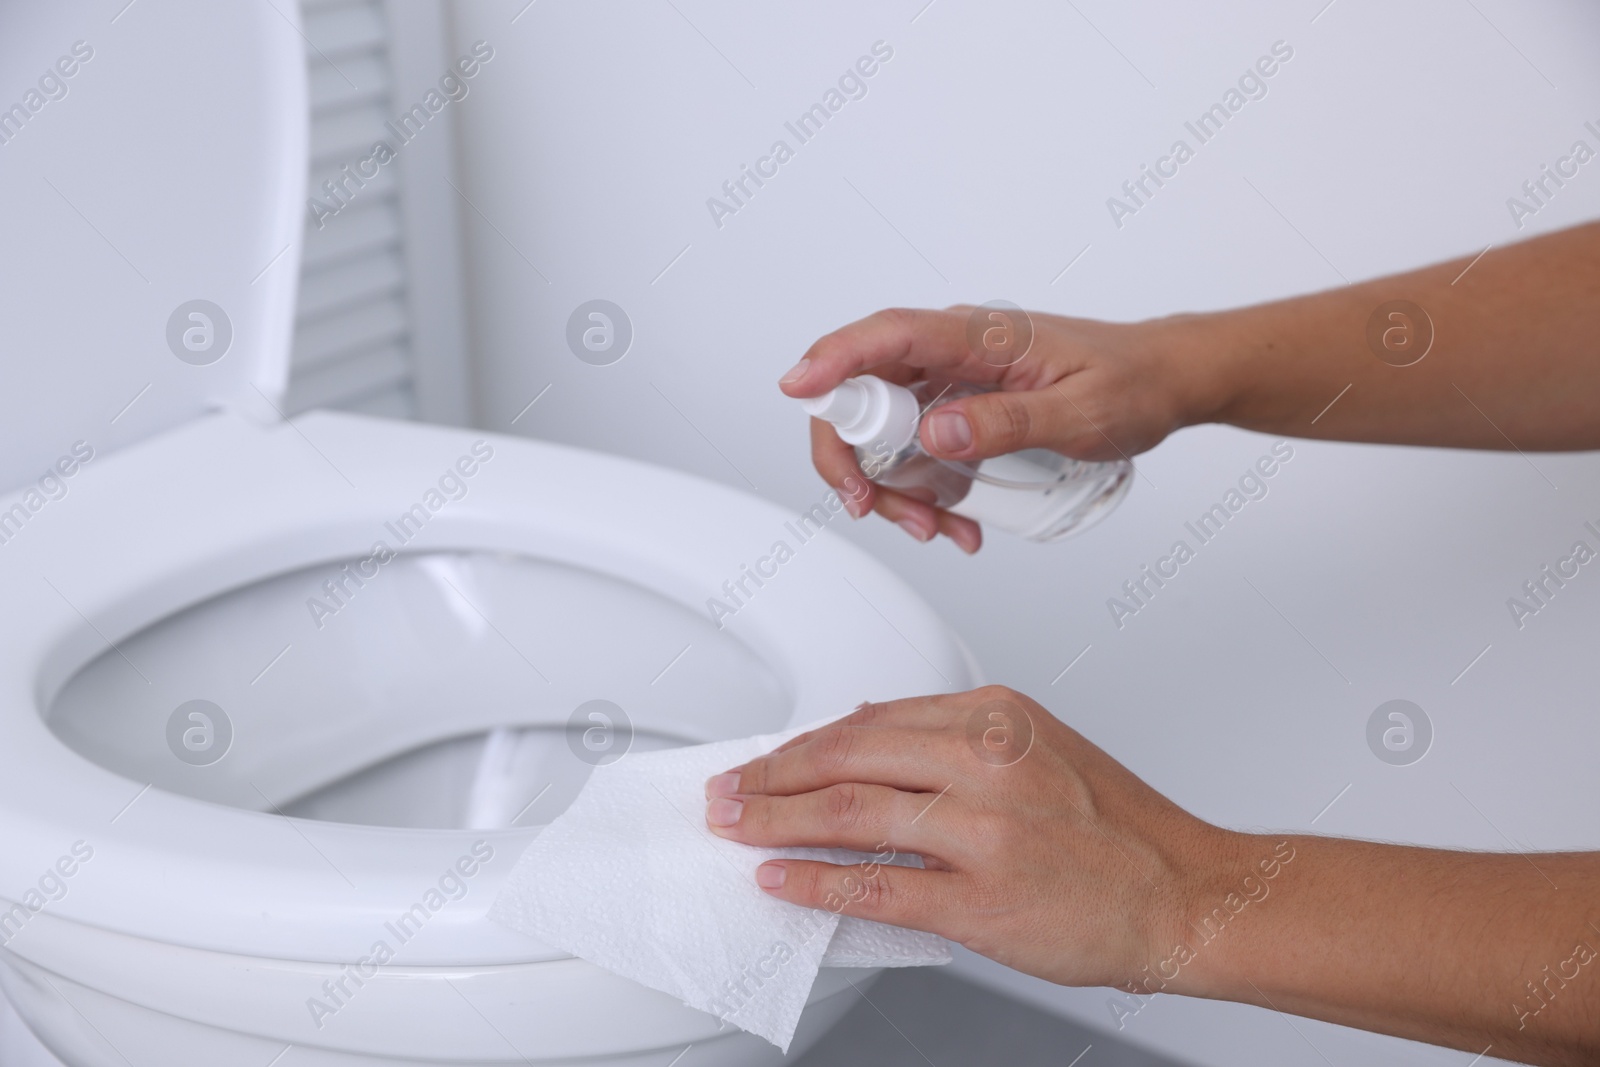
{"x": 841, "y": 406}
{"x": 868, "y": 410}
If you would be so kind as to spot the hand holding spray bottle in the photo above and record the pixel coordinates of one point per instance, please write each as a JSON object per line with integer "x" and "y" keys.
{"x": 1036, "y": 494}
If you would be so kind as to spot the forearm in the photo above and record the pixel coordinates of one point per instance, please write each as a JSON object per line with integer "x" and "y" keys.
{"x": 1514, "y": 359}
{"x": 1471, "y": 950}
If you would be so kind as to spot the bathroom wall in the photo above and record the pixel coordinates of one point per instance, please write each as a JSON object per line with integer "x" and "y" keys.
{"x": 978, "y": 165}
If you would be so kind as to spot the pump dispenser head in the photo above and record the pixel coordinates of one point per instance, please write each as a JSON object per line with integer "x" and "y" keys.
{"x": 867, "y": 410}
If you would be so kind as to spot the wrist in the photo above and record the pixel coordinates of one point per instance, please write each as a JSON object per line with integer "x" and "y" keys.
{"x": 1225, "y": 888}
{"x": 1205, "y": 363}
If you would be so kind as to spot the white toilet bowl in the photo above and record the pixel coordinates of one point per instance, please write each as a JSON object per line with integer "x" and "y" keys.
{"x": 208, "y": 912}
{"x": 248, "y": 667}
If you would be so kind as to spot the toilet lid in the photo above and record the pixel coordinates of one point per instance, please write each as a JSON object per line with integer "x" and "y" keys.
{"x": 152, "y": 160}
{"x": 222, "y": 503}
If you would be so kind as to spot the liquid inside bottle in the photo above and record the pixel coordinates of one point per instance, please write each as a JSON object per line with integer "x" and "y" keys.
{"x": 1035, "y": 493}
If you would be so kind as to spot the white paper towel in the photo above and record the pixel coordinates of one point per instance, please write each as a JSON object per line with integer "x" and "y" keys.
{"x": 630, "y": 879}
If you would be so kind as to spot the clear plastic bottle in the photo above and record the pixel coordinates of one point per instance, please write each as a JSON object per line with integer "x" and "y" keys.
{"x": 1036, "y": 494}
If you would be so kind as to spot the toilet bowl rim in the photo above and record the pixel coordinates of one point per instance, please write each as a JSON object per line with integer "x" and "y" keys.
{"x": 114, "y": 816}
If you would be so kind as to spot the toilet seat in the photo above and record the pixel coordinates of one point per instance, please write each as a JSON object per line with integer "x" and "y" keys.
{"x": 221, "y": 503}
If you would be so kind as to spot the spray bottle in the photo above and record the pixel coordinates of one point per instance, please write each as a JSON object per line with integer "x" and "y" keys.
{"x": 1036, "y": 494}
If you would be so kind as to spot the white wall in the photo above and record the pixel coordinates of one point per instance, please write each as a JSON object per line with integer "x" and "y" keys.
{"x": 989, "y": 144}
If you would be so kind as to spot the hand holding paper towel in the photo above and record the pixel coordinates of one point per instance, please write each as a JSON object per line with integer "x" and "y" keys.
{"x": 630, "y": 879}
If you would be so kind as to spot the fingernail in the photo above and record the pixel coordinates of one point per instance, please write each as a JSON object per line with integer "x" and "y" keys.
{"x": 950, "y": 431}
{"x": 722, "y": 785}
{"x": 965, "y": 540}
{"x": 771, "y": 875}
{"x": 854, "y": 494}
{"x": 915, "y": 529}
{"x": 724, "y": 811}
{"x": 795, "y": 373}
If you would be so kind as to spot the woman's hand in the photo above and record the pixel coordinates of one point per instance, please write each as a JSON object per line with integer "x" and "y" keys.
{"x": 1090, "y": 390}
{"x": 1045, "y": 854}
{"x": 1041, "y": 851}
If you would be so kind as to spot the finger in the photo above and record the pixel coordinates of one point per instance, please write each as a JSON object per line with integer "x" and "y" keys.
{"x": 921, "y": 339}
{"x": 914, "y": 760}
{"x": 967, "y": 534}
{"x": 836, "y": 462}
{"x": 899, "y": 896}
{"x": 993, "y": 424}
{"x": 915, "y": 517}
{"x": 867, "y": 818}
{"x": 935, "y": 711}
{"x": 932, "y": 711}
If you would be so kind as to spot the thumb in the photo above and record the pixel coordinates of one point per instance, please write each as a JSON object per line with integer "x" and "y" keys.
{"x": 992, "y": 424}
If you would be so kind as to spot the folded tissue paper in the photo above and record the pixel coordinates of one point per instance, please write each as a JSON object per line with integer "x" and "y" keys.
{"x": 630, "y": 879}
